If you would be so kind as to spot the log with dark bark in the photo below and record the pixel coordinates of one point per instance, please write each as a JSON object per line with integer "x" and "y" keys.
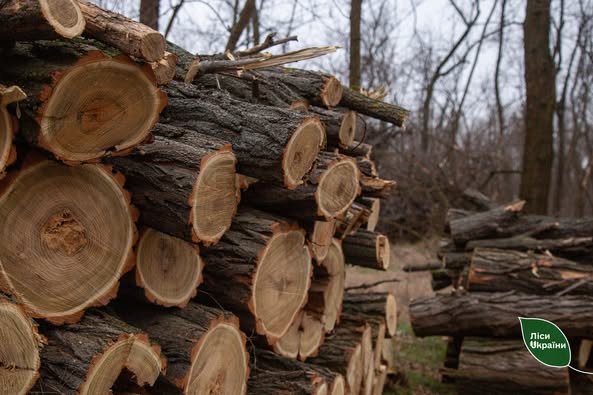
{"x": 199, "y": 205}
{"x": 27, "y": 20}
{"x": 368, "y": 249}
{"x": 204, "y": 347}
{"x": 87, "y": 357}
{"x": 19, "y": 350}
{"x": 8, "y": 125}
{"x": 373, "y": 108}
{"x": 340, "y": 126}
{"x": 332, "y": 187}
{"x": 261, "y": 270}
{"x": 456, "y": 260}
{"x": 71, "y": 115}
{"x": 271, "y": 144}
{"x": 169, "y": 269}
{"x": 130, "y": 37}
{"x": 373, "y": 307}
{"x": 358, "y": 149}
{"x": 488, "y": 366}
{"x": 68, "y": 214}
{"x": 495, "y": 314}
{"x": 505, "y": 270}
{"x": 443, "y": 278}
{"x": 320, "y": 235}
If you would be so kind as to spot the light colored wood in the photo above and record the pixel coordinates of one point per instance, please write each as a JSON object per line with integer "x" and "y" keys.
{"x": 8, "y": 125}
{"x": 164, "y": 69}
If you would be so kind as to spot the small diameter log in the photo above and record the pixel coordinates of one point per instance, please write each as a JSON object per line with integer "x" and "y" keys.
{"x": 495, "y": 314}
{"x": 27, "y": 20}
{"x": 261, "y": 269}
{"x": 271, "y": 144}
{"x": 303, "y": 338}
{"x": 8, "y": 125}
{"x": 164, "y": 69}
{"x": 374, "y": 205}
{"x": 199, "y": 205}
{"x": 373, "y": 307}
{"x": 57, "y": 222}
{"x": 169, "y": 269}
{"x": 373, "y": 108}
{"x": 205, "y": 349}
{"x": 272, "y": 374}
{"x": 488, "y": 366}
{"x": 380, "y": 378}
{"x": 89, "y": 356}
{"x": 368, "y": 249}
{"x": 318, "y": 88}
{"x": 320, "y": 235}
{"x": 19, "y": 349}
{"x": 340, "y": 126}
{"x": 376, "y": 187}
{"x": 332, "y": 187}
{"x": 358, "y": 149}
{"x": 505, "y": 270}
{"x": 71, "y": 115}
{"x": 130, "y": 37}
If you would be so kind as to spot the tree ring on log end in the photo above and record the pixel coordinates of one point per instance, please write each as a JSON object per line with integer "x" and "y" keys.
{"x": 334, "y": 292}
{"x": 348, "y": 128}
{"x": 383, "y": 252}
{"x": 82, "y": 119}
{"x": 301, "y": 151}
{"x": 303, "y": 338}
{"x": 338, "y": 386}
{"x": 354, "y": 370}
{"x": 68, "y": 234}
{"x": 220, "y": 363}
{"x": 64, "y": 16}
{"x": 19, "y": 350}
{"x": 337, "y": 188}
{"x": 169, "y": 269}
{"x": 153, "y": 46}
{"x": 391, "y": 314}
{"x": 331, "y": 93}
{"x": 281, "y": 282}
{"x": 214, "y": 197}
{"x": 321, "y": 238}
{"x": 131, "y": 352}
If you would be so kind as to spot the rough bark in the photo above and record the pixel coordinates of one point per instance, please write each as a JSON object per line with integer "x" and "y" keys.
{"x": 374, "y": 108}
{"x": 271, "y": 144}
{"x": 200, "y": 204}
{"x": 355, "y": 21}
{"x": 502, "y": 270}
{"x": 495, "y": 314}
{"x": 340, "y": 126}
{"x": 8, "y": 125}
{"x": 368, "y": 249}
{"x": 373, "y": 307}
{"x": 67, "y": 112}
{"x": 87, "y": 357}
{"x": 130, "y": 37}
{"x": 488, "y": 366}
{"x": 27, "y": 20}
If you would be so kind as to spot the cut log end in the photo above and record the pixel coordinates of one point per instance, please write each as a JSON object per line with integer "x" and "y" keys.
{"x": 337, "y": 188}
{"x": 391, "y": 315}
{"x": 331, "y": 93}
{"x": 281, "y": 283}
{"x": 348, "y": 128}
{"x": 83, "y": 120}
{"x": 169, "y": 269}
{"x": 334, "y": 292}
{"x": 220, "y": 362}
{"x": 164, "y": 69}
{"x": 338, "y": 387}
{"x": 64, "y": 16}
{"x": 383, "y": 252}
{"x": 374, "y": 217}
{"x": 57, "y": 221}
{"x": 131, "y": 352}
{"x": 321, "y": 239}
{"x": 303, "y": 338}
{"x": 19, "y": 350}
{"x": 153, "y": 45}
{"x": 354, "y": 371}
{"x": 214, "y": 197}
{"x": 301, "y": 151}
{"x": 321, "y": 389}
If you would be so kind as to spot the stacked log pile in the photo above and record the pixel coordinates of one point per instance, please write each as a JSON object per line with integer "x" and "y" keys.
{"x": 501, "y": 264}
{"x": 127, "y": 264}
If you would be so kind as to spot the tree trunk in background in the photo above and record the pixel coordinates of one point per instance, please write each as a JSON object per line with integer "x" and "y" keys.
{"x": 149, "y": 13}
{"x": 240, "y": 25}
{"x": 355, "y": 16}
{"x": 538, "y": 150}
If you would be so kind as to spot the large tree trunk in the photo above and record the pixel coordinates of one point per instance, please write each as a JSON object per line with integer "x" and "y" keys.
{"x": 495, "y": 314}
{"x": 271, "y": 144}
{"x": 201, "y": 203}
{"x": 492, "y": 367}
{"x": 149, "y": 13}
{"x": 368, "y": 249}
{"x": 8, "y": 125}
{"x": 86, "y": 358}
{"x": 29, "y": 20}
{"x": 261, "y": 270}
{"x": 68, "y": 214}
{"x": 204, "y": 347}
{"x": 540, "y": 83}
{"x": 67, "y": 112}
{"x": 502, "y": 270}
{"x": 19, "y": 359}
{"x": 355, "y": 17}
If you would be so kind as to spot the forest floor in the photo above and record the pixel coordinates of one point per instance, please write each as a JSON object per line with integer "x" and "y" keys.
{"x": 415, "y": 361}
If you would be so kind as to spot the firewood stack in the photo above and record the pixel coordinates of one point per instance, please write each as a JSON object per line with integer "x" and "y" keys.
{"x": 126, "y": 262}
{"x": 503, "y": 264}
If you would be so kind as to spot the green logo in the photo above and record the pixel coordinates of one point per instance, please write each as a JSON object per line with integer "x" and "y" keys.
{"x": 546, "y": 342}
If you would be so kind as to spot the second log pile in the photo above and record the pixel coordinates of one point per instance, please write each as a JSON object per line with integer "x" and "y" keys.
{"x": 503, "y": 264}
{"x": 126, "y": 261}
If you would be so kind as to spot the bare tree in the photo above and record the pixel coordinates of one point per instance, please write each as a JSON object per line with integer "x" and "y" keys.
{"x": 240, "y": 25}
{"x": 149, "y": 13}
{"x": 355, "y": 17}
